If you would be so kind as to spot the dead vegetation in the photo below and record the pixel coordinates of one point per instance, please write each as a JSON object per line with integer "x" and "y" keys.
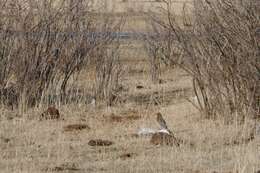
{"x": 126, "y": 118}
{"x": 50, "y": 114}
{"x": 219, "y": 50}
{"x": 48, "y": 45}
{"x": 100, "y": 142}
{"x": 75, "y": 127}
{"x": 64, "y": 167}
{"x": 67, "y": 55}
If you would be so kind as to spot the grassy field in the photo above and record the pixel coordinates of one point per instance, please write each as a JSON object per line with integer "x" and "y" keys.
{"x": 212, "y": 146}
{"x": 29, "y": 145}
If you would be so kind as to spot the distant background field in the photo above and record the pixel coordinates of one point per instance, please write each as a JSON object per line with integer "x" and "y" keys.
{"x": 135, "y": 11}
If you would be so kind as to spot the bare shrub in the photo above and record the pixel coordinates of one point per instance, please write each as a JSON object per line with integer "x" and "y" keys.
{"x": 162, "y": 49}
{"x": 154, "y": 58}
{"x": 221, "y": 52}
{"x": 44, "y": 43}
{"x": 108, "y": 74}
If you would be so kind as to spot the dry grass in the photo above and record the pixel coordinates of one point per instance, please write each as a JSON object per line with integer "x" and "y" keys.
{"x": 29, "y": 145}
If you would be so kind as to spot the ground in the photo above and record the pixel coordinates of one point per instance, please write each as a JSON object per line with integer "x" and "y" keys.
{"x": 30, "y": 145}
{"x": 212, "y": 146}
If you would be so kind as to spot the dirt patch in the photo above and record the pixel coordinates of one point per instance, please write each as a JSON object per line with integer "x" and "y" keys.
{"x": 100, "y": 142}
{"x": 50, "y": 114}
{"x": 125, "y": 118}
{"x": 75, "y": 127}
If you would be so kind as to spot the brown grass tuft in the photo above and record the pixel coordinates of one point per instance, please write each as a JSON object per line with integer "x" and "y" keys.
{"x": 75, "y": 127}
{"x": 100, "y": 142}
{"x": 126, "y": 118}
{"x": 50, "y": 114}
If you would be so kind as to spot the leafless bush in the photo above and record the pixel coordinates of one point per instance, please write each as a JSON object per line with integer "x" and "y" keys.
{"x": 221, "y": 52}
{"x": 44, "y": 43}
{"x": 153, "y": 49}
{"x": 108, "y": 74}
{"x": 162, "y": 49}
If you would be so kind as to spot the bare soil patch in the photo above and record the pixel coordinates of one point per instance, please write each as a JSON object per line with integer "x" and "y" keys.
{"x": 75, "y": 127}
{"x": 123, "y": 118}
{"x": 100, "y": 142}
{"x": 50, "y": 114}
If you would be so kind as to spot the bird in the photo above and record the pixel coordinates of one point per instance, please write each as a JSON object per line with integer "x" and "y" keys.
{"x": 163, "y": 128}
{"x": 162, "y": 123}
